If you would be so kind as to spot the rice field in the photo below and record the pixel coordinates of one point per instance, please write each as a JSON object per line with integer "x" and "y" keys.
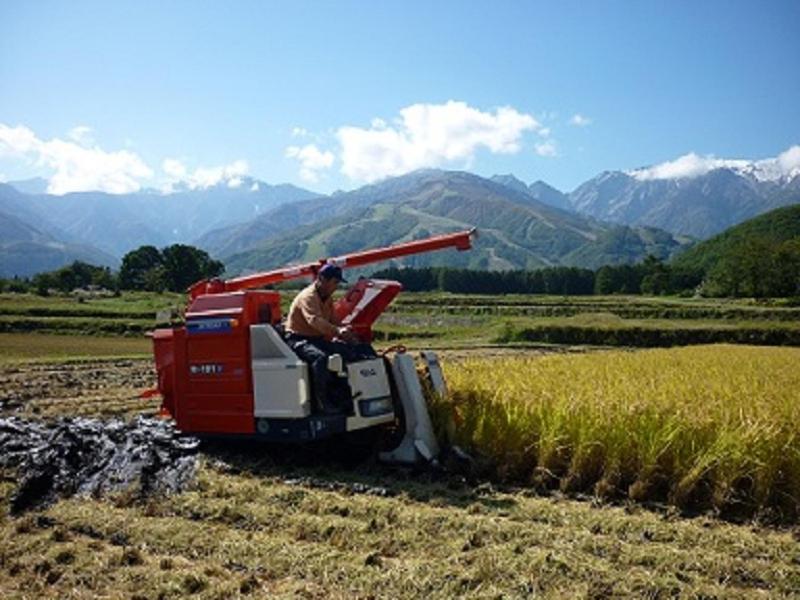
{"x": 703, "y": 427}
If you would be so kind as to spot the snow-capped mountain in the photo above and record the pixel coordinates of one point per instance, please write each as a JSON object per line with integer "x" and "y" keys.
{"x": 692, "y": 195}
{"x": 780, "y": 169}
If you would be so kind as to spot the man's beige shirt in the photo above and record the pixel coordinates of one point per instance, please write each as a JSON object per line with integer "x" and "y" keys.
{"x": 310, "y": 315}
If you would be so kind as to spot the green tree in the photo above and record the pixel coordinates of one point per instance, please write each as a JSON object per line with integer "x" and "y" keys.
{"x": 43, "y": 283}
{"x": 656, "y": 276}
{"x": 785, "y": 279}
{"x": 604, "y": 280}
{"x": 183, "y": 265}
{"x": 136, "y": 265}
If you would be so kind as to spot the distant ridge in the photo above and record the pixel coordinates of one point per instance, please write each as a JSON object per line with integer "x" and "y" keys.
{"x": 42, "y": 232}
{"x": 517, "y": 231}
{"x": 700, "y": 206}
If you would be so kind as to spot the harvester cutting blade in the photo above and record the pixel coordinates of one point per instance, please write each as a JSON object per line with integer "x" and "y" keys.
{"x": 434, "y": 372}
{"x": 419, "y": 442}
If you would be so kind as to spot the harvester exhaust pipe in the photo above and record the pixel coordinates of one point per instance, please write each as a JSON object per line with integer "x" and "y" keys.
{"x": 419, "y": 442}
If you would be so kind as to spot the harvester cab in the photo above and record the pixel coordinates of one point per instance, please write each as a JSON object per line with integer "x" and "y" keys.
{"x": 228, "y": 371}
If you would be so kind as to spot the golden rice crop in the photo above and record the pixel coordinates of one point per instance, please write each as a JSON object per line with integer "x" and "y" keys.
{"x": 698, "y": 427}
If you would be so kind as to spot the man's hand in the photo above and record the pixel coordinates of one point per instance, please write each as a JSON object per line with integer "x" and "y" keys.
{"x": 347, "y": 334}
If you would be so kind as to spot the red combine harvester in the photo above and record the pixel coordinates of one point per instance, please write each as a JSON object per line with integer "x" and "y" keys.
{"x": 229, "y": 371}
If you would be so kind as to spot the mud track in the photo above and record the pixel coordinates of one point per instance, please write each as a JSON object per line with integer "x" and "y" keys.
{"x": 92, "y": 457}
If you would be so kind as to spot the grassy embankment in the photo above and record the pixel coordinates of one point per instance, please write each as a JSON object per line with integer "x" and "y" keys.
{"x": 605, "y": 320}
{"x": 446, "y": 320}
{"x": 701, "y": 427}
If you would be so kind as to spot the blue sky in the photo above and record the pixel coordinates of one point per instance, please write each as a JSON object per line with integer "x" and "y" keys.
{"x": 330, "y": 95}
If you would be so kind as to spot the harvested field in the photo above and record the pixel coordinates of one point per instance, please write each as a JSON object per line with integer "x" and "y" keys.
{"x": 24, "y": 347}
{"x": 254, "y": 528}
{"x": 77, "y": 388}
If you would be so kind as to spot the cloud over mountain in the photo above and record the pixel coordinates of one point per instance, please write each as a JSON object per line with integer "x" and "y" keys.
{"x": 77, "y": 164}
{"x": 430, "y": 135}
{"x": 312, "y": 160}
{"x": 786, "y": 164}
{"x": 203, "y": 177}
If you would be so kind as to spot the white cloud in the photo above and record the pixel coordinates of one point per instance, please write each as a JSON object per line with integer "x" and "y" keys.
{"x": 686, "y": 166}
{"x": 789, "y": 161}
{"x": 785, "y": 165}
{"x": 254, "y": 187}
{"x": 312, "y": 160}
{"x": 547, "y": 148}
{"x": 81, "y": 135}
{"x": 299, "y": 132}
{"x": 430, "y": 135}
{"x": 579, "y": 120}
{"x": 77, "y": 167}
{"x": 174, "y": 169}
{"x": 203, "y": 177}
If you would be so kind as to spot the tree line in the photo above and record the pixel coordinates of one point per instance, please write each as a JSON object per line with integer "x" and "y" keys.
{"x": 147, "y": 268}
{"x": 762, "y": 269}
{"x": 651, "y": 276}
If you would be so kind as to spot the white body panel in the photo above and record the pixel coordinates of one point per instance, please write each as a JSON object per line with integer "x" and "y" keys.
{"x": 280, "y": 379}
{"x": 368, "y": 381}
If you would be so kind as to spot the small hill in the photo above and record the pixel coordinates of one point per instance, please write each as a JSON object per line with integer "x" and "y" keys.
{"x": 538, "y": 190}
{"x": 34, "y": 185}
{"x": 779, "y": 225}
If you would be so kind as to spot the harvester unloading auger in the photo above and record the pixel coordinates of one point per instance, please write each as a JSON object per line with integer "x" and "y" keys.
{"x": 229, "y": 371}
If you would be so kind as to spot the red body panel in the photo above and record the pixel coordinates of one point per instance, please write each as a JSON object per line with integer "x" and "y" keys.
{"x": 204, "y": 368}
{"x": 364, "y": 303}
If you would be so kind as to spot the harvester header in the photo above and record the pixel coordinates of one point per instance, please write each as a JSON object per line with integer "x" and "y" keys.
{"x": 460, "y": 241}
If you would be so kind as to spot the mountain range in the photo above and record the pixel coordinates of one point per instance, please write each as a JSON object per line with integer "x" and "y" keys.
{"x": 100, "y": 228}
{"x": 615, "y": 217}
{"x": 700, "y": 206}
{"x": 516, "y": 230}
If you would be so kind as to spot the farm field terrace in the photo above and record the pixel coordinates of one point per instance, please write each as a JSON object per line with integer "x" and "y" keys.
{"x": 441, "y": 320}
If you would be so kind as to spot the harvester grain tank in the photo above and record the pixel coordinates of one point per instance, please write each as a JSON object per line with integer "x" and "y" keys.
{"x": 229, "y": 370}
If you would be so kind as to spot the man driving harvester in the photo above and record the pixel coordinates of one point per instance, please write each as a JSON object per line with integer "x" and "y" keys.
{"x": 311, "y": 327}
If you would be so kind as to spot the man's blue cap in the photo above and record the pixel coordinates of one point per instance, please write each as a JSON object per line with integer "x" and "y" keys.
{"x": 330, "y": 271}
